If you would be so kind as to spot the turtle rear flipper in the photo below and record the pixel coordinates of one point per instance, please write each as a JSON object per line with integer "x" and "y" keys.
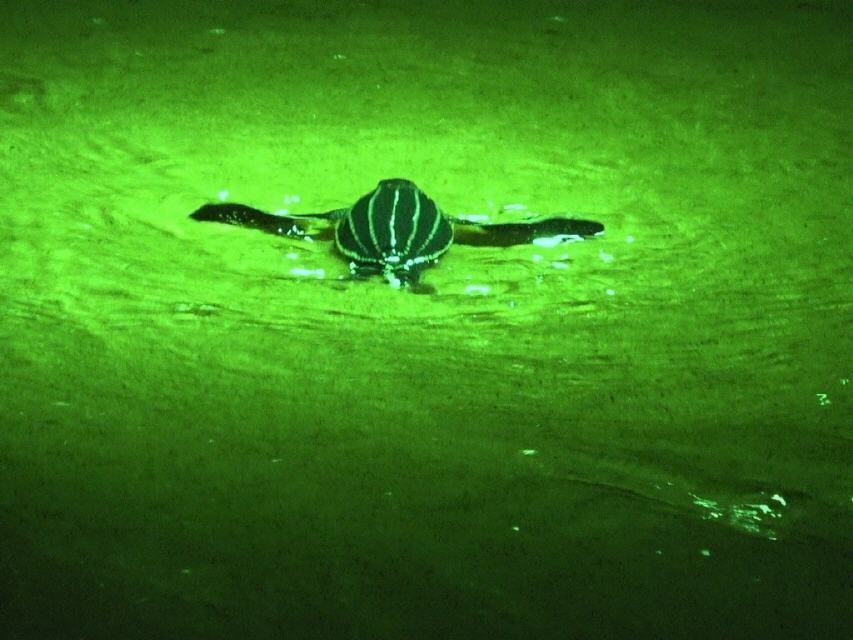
{"x": 512, "y": 233}
{"x": 408, "y": 278}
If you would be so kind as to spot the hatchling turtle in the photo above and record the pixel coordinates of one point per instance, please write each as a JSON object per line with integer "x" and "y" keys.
{"x": 397, "y": 230}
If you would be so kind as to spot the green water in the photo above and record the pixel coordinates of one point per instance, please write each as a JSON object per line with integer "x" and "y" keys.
{"x": 208, "y": 433}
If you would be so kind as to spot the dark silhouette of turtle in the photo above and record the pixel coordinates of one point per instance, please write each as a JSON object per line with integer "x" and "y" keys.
{"x": 397, "y": 231}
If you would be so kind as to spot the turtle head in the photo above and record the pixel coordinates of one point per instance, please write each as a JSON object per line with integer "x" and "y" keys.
{"x": 397, "y": 183}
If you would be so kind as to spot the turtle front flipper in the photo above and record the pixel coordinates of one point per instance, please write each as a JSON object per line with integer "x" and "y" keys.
{"x": 511, "y": 233}
{"x": 251, "y": 218}
{"x": 243, "y": 216}
{"x": 334, "y": 214}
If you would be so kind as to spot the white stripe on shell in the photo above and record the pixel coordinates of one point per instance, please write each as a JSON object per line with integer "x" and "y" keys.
{"x": 370, "y": 220}
{"x": 393, "y": 233}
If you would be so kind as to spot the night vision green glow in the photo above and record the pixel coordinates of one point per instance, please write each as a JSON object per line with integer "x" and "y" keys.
{"x": 606, "y": 394}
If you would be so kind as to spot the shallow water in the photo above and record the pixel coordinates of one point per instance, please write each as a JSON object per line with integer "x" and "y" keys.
{"x": 646, "y": 433}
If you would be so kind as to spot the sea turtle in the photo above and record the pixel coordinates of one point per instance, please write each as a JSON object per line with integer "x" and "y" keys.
{"x": 397, "y": 230}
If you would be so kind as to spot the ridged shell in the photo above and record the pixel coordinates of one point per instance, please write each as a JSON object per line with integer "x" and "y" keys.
{"x": 394, "y": 227}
